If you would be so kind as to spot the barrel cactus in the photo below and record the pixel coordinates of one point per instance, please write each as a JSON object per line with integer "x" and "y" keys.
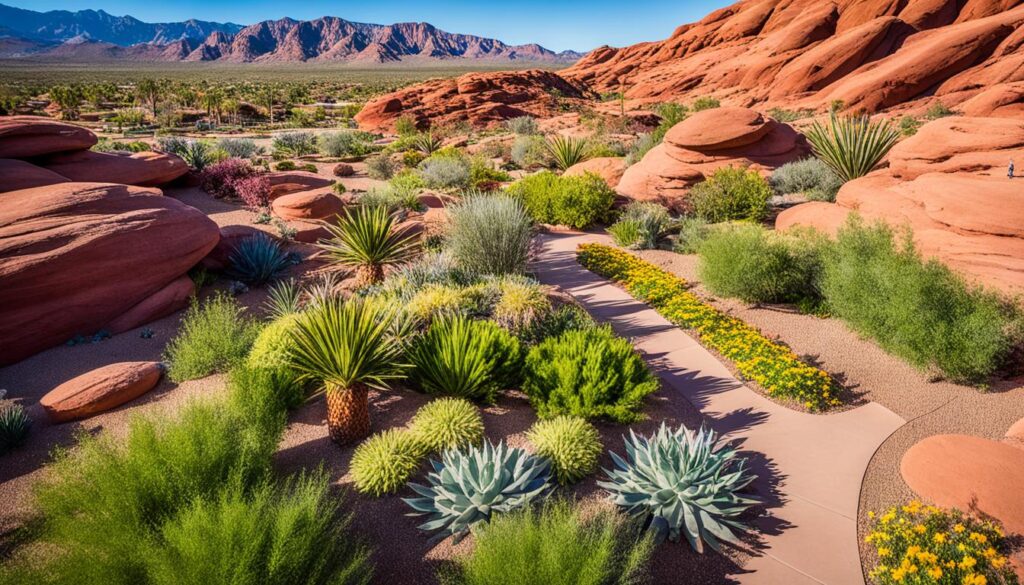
{"x": 684, "y": 481}
{"x": 469, "y": 485}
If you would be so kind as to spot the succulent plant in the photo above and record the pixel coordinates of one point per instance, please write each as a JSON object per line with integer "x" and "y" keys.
{"x": 852, "y": 146}
{"x": 567, "y": 150}
{"x": 570, "y": 443}
{"x": 283, "y": 298}
{"x": 685, "y": 481}
{"x": 468, "y": 486}
{"x": 258, "y": 259}
{"x": 14, "y": 427}
{"x": 447, "y": 423}
{"x": 385, "y": 461}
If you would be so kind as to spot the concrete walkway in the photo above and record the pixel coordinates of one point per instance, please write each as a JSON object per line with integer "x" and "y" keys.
{"x": 810, "y": 466}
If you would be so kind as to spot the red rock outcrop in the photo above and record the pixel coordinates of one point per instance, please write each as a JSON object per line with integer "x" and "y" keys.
{"x": 705, "y": 142}
{"x": 170, "y": 299}
{"x": 948, "y": 184}
{"x": 30, "y": 136}
{"x": 100, "y": 390}
{"x": 75, "y": 256}
{"x": 307, "y": 205}
{"x": 609, "y": 168}
{"x": 143, "y": 169}
{"x": 481, "y": 99}
{"x": 285, "y": 182}
{"x": 18, "y": 174}
{"x": 230, "y": 237}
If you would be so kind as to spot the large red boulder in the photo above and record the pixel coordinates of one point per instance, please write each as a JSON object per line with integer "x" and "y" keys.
{"x": 170, "y": 299}
{"x": 143, "y": 169}
{"x": 306, "y": 205}
{"x": 609, "y": 168}
{"x": 285, "y": 182}
{"x": 30, "y": 136}
{"x": 959, "y": 144}
{"x": 230, "y": 237}
{"x": 75, "y": 256}
{"x": 18, "y": 174}
{"x": 100, "y": 390}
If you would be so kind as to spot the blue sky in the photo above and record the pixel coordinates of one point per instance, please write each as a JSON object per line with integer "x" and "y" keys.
{"x": 556, "y": 24}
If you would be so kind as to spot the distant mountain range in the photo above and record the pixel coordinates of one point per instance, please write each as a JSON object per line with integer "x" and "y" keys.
{"x": 94, "y": 35}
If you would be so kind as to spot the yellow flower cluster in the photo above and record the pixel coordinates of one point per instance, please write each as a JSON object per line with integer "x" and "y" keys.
{"x": 923, "y": 545}
{"x": 771, "y": 364}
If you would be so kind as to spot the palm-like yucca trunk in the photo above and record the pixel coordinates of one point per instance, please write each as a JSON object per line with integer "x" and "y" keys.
{"x": 348, "y": 413}
{"x": 369, "y": 274}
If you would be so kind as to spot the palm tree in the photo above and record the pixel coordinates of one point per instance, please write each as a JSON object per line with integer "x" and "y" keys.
{"x": 367, "y": 239}
{"x": 348, "y": 344}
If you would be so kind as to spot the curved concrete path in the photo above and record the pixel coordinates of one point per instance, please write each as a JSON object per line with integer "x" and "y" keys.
{"x": 810, "y": 465}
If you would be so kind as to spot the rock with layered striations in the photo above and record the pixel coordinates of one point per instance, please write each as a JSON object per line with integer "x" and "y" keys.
{"x": 100, "y": 390}
{"x": 308, "y": 205}
{"x": 959, "y": 145}
{"x": 609, "y": 168}
{"x": 18, "y": 174}
{"x": 482, "y": 99}
{"x": 75, "y": 256}
{"x": 142, "y": 169}
{"x": 170, "y": 299}
{"x": 705, "y": 142}
{"x": 31, "y": 136}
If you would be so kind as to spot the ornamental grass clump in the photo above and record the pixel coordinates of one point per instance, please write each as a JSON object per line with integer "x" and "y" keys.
{"x": 852, "y": 146}
{"x": 469, "y": 486}
{"x": 459, "y": 356}
{"x": 214, "y": 335}
{"x": 923, "y": 544}
{"x": 447, "y": 423}
{"x": 384, "y": 463}
{"x": 368, "y": 240}
{"x": 489, "y": 234}
{"x": 641, "y": 225}
{"x": 772, "y": 365}
{"x": 570, "y": 443}
{"x": 15, "y": 426}
{"x": 685, "y": 483}
{"x": 555, "y": 544}
{"x": 590, "y": 373}
{"x": 523, "y": 302}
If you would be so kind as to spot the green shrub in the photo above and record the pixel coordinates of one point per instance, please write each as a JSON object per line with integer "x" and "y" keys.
{"x": 447, "y": 423}
{"x": 641, "y": 225}
{"x": 445, "y": 172}
{"x": 15, "y": 426}
{"x": 490, "y": 234}
{"x": 381, "y": 167}
{"x": 285, "y": 165}
{"x": 704, "y": 103}
{"x": 270, "y": 352}
{"x": 755, "y": 265}
{"x": 522, "y": 125}
{"x": 731, "y": 194}
{"x": 522, "y": 303}
{"x": 461, "y": 357}
{"x": 530, "y": 152}
{"x": 239, "y": 147}
{"x": 436, "y": 301}
{"x": 213, "y": 336}
{"x": 555, "y": 323}
{"x": 590, "y": 373}
{"x": 809, "y": 176}
{"x": 346, "y": 143}
{"x": 482, "y": 173}
{"x": 405, "y": 126}
{"x": 578, "y": 202}
{"x": 786, "y": 116}
{"x": 938, "y": 110}
{"x": 555, "y": 545}
{"x": 384, "y": 463}
{"x": 288, "y": 144}
{"x": 852, "y": 146}
{"x": 909, "y": 125}
{"x": 641, "y": 146}
{"x": 570, "y": 443}
{"x": 692, "y": 231}
{"x": 915, "y": 308}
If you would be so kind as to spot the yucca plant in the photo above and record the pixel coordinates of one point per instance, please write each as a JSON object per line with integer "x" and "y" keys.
{"x": 461, "y": 357}
{"x": 426, "y": 143}
{"x": 468, "y": 486}
{"x": 322, "y": 289}
{"x": 852, "y": 146}
{"x": 283, "y": 298}
{"x": 367, "y": 239}
{"x": 447, "y": 423}
{"x": 14, "y": 427}
{"x": 684, "y": 481}
{"x": 349, "y": 347}
{"x": 567, "y": 150}
{"x": 258, "y": 259}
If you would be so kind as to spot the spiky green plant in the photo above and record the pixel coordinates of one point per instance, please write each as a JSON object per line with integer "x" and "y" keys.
{"x": 522, "y": 303}
{"x": 427, "y": 143}
{"x": 468, "y": 486}
{"x": 686, "y": 481}
{"x": 367, "y": 239}
{"x": 283, "y": 298}
{"x": 384, "y": 462}
{"x": 567, "y": 150}
{"x": 258, "y": 259}
{"x": 447, "y": 423}
{"x": 852, "y": 145}
{"x": 349, "y": 347}
{"x": 15, "y": 426}
{"x": 461, "y": 357}
{"x": 322, "y": 289}
{"x": 570, "y": 443}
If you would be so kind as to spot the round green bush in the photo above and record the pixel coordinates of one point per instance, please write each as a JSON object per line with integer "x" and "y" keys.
{"x": 270, "y": 350}
{"x": 447, "y": 423}
{"x": 570, "y": 443}
{"x": 731, "y": 194}
{"x": 578, "y": 202}
{"x": 591, "y": 373}
{"x": 384, "y": 463}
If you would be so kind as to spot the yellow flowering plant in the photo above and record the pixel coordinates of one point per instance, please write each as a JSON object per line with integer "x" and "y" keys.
{"x": 771, "y": 364}
{"x": 917, "y": 544}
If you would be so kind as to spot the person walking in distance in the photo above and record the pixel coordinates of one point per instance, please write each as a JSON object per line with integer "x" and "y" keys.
{"x": 1009, "y": 170}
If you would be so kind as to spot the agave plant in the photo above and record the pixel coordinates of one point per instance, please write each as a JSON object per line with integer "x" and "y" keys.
{"x": 14, "y": 427}
{"x": 567, "y": 150}
{"x": 684, "y": 480}
{"x": 348, "y": 345}
{"x": 426, "y": 143}
{"x": 258, "y": 259}
{"x": 852, "y": 146}
{"x": 197, "y": 154}
{"x": 468, "y": 486}
{"x": 284, "y": 298}
{"x": 367, "y": 239}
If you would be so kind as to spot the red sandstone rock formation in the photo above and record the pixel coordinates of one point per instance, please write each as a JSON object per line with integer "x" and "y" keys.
{"x": 75, "y": 256}
{"x": 285, "y": 182}
{"x": 308, "y": 205}
{"x": 29, "y": 136}
{"x": 143, "y": 169}
{"x": 18, "y": 174}
{"x": 609, "y": 168}
{"x": 100, "y": 390}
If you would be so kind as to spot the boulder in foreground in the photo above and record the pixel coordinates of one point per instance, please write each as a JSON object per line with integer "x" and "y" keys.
{"x": 31, "y": 136}
{"x": 100, "y": 390}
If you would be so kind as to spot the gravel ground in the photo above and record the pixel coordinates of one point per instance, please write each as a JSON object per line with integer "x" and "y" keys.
{"x": 930, "y": 407}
